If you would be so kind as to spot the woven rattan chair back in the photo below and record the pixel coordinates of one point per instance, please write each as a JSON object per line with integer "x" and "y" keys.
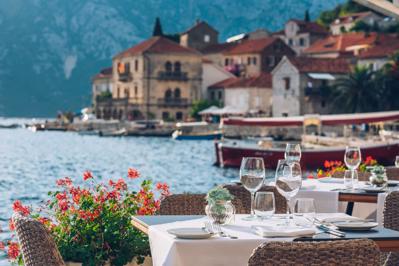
{"x": 392, "y": 173}
{"x": 362, "y": 176}
{"x": 391, "y": 221}
{"x": 243, "y": 197}
{"x": 339, "y": 252}
{"x": 37, "y": 246}
{"x": 183, "y": 204}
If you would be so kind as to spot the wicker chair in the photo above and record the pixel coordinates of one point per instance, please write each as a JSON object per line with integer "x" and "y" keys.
{"x": 37, "y": 246}
{"x": 391, "y": 221}
{"x": 243, "y": 197}
{"x": 392, "y": 173}
{"x": 340, "y": 252}
{"x": 183, "y": 204}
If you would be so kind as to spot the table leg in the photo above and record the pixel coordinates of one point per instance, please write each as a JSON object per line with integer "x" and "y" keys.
{"x": 349, "y": 207}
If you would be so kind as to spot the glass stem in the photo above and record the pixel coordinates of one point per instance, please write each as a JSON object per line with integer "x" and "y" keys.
{"x": 252, "y": 203}
{"x": 288, "y": 212}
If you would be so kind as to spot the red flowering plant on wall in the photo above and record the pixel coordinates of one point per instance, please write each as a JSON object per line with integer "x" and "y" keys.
{"x": 331, "y": 167}
{"x": 92, "y": 223}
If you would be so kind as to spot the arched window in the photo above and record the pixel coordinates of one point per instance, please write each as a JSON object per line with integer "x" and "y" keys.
{"x": 177, "y": 93}
{"x": 168, "y": 67}
{"x": 168, "y": 94}
{"x": 177, "y": 67}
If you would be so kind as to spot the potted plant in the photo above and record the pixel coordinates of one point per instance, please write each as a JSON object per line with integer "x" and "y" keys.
{"x": 219, "y": 208}
{"x": 92, "y": 224}
{"x": 378, "y": 176}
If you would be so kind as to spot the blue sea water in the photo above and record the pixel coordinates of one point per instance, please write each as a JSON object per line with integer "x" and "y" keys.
{"x": 30, "y": 163}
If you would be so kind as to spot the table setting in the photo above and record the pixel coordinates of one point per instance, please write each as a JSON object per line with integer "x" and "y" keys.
{"x": 223, "y": 237}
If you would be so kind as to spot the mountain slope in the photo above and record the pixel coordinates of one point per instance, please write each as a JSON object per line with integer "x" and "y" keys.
{"x": 50, "y": 49}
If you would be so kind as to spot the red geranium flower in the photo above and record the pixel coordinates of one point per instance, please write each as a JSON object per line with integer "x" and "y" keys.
{"x": 64, "y": 182}
{"x": 133, "y": 173}
{"x": 2, "y": 246}
{"x": 18, "y": 207}
{"x": 13, "y": 250}
{"x": 87, "y": 175}
{"x": 11, "y": 225}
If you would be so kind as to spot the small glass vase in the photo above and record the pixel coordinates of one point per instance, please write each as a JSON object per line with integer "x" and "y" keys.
{"x": 380, "y": 180}
{"x": 221, "y": 212}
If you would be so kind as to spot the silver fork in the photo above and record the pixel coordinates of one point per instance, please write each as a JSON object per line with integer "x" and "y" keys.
{"x": 223, "y": 234}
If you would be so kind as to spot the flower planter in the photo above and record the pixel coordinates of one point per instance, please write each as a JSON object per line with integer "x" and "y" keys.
{"x": 147, "y": 262}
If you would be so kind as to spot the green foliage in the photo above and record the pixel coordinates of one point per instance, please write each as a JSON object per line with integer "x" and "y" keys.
{"x": 157, "y": 28}
{"x": 327, "y": 17}
{"x": 218, "y": 194}
{"x": 104, "y": 95}
{"x": 200, "y": 105}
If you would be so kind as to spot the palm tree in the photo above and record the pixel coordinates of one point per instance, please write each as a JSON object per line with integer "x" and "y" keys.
{"x": 356, "y": 92}
{"x": 388, "y": 81}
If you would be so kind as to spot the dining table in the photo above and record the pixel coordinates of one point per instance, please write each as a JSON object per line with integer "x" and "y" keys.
{"x": 167, "y": 249}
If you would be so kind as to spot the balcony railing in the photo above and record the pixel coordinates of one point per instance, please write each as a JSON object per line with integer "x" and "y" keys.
{"x": 180, "y": 76}
{"x": 125, "y": 77}
{"x": 173, "y": 102}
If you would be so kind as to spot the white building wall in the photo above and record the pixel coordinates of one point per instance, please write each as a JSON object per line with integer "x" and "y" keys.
{"x": 212, "y": 74}
{"x": 237, "y": 98}
{"x": 375, "y": 63}
{"x": 286, "y": 101}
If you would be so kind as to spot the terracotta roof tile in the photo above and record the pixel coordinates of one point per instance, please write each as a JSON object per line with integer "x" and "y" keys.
{"x": 321, "y": 65}
{"x": 351, "y": 17}
{"x": 104, "y": 73}
{"x": 156, "y": 45}
{"x": 311, "y": 27}
{"x": 197, "y": 24}
{"x": 218, "y": 48}
{"x": 385, "y": 46}
{"x": 340, "y": 43}
{"x": 263, "y": 80}
{"x": 252, "y": 46}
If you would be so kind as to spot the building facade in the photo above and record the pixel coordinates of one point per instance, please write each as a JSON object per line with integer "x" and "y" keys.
{"x": 299, "y": 34}
{"x": 156, "y": 79}
{"x": 249, "y": 95}
{"x": 102, "y": 85}
{"x": 252, "y": 57}
{"x": 199, "y": 36}
{"x": 211, "y": 74}
{"x": 300, "y": 85}
{"x": 346, "y": 23}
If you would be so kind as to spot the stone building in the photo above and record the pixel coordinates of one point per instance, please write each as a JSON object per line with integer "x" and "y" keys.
{"x": 252, "y": 57}
{"x": 156, "y": 79}
{"x": 199, "y": 36}
{"x": 299, "y": 34}
{"x": 299, "y": 84}
{"x": 346, "y": 23}
{"x": 102, "y": 85}
{"x": 211, "y": 74}
{"x": 252, "y": 95}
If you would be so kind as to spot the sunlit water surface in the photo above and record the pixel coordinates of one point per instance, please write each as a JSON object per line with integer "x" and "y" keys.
{"x": 31, "y": 162}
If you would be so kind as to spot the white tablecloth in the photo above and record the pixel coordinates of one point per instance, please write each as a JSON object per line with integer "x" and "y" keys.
{"x": 166, "y": 250}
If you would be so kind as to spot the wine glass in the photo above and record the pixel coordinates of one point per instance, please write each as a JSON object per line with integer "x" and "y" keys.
{"x": 352, "y": 159}
{"x": 305, "y": 207}
{"x": 350, "y": 179}
{"x": 288, "y": 182}
{"x": 397, "y": 161}
{"x": 252, "y": 175}
{"x": 264, "y": 204}
{"x": 292, "y": 152}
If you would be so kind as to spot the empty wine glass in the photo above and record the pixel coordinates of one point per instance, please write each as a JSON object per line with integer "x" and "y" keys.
{"x": 305, "y": 207}
{"x": 252, "y": 175}
{"x": 292, "y": 152}
{"x": 288, "y": 182}
{"x": 264, "y": 204}
{"x": 352, "y": 159}
{"x": 397, "y": 161}
{"x": 350, "y": 179}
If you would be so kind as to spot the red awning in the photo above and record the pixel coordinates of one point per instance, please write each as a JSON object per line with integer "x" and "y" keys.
{"x": 342, "y": 119}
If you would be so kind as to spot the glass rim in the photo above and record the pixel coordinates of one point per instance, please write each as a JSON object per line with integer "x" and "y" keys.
{"x": 352, "y": 147}
{"x": 251, "y": 157}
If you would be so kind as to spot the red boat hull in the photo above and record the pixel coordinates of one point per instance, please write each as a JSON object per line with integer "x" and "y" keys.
{"x": 231, "y": 155}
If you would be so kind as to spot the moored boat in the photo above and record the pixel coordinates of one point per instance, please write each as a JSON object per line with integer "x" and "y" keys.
{"x": 196, "y": 131}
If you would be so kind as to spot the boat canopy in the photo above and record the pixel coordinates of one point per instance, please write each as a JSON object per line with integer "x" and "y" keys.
{"x": 325, "y": 120}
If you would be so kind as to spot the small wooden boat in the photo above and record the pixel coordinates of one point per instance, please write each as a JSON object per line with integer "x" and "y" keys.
{"x": 196, "y": 131}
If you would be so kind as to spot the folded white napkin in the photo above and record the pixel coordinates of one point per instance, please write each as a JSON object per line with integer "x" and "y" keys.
{"x": 280, "y": 231}
{"x": 337, "y": 217}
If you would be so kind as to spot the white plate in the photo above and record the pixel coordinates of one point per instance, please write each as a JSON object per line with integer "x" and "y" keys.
{"x": 190, "y": 233}
{"x": 331, "y": 180}
{"x": 373, "y": 189}
{"x": 355, "y": 226}
{"x": 393, "y": 182}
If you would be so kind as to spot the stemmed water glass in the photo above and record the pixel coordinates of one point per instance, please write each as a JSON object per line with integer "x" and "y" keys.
{"x": 252, "y": 175}
{"x": 288, "y": 182}
{"x": 292, "y": 152}
{"x": 352, "y": 159}
{"x": 265, "y": 205}
{"x": 397, "y": 161}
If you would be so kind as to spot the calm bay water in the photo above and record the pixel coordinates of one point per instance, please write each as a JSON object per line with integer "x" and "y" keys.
{"x": 31, "y": 162}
